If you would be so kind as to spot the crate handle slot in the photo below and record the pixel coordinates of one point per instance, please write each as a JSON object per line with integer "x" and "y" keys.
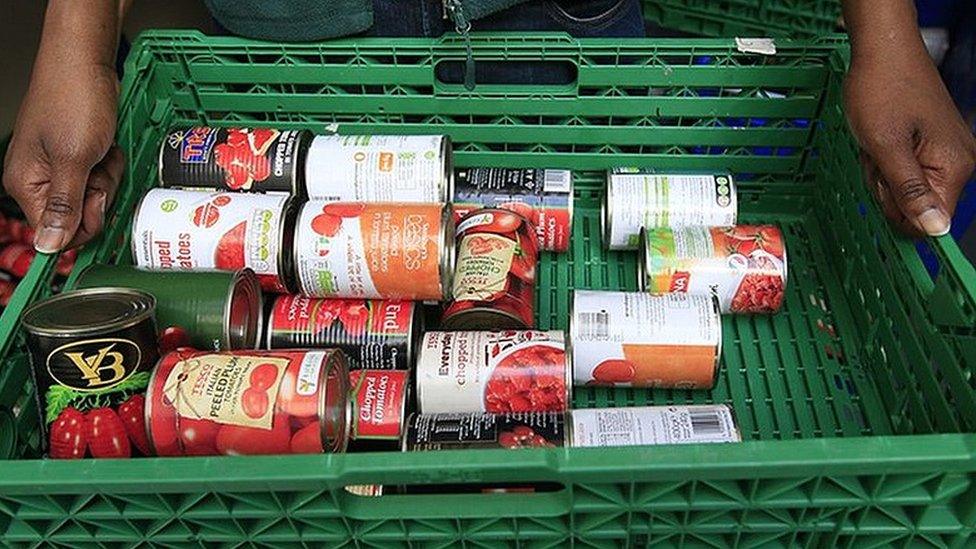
{"x": 460, "y": 501}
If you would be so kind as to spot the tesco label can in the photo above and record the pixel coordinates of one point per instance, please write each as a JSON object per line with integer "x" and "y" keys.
{"x": 380, "y": 168}
{"x": 496, "y": 372}
{"x": 203, "y": 231}
{"x": 653, "y": 425}
{"x": 638, "y": 340}
{"x": 374, "y": 250}
{"x": 637, "y": 199}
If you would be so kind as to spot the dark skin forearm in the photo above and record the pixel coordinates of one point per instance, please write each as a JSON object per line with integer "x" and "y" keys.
{"x": 85, "y": 32}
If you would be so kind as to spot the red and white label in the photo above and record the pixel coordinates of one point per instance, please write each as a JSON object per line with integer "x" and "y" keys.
{"x": 380, "y": 400}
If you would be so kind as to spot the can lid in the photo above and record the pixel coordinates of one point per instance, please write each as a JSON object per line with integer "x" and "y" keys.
{"x": 448, "y": 251}
{"x": 243, "y": 316}
{"x": 335, "y": 406}
{"x": 642, "y": 258}
{"x": 483, "y": 318}
{"x": 88, "y": 311}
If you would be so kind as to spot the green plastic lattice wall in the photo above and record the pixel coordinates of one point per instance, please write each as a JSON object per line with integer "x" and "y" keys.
{"x": 746, "y": 18}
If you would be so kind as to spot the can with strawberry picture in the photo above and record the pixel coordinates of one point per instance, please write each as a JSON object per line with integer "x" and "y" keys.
{"x": 374, "y": 250}
{"x": 373, "y": 333}
{"x": 744, "y": 266}
{"x": 495, "y": 372}
{"x": 379, "y": 409}
{"x": 91, "y": 355}
{"x": 634, "y": 339}
{"x": 494, "y": 279}
{"x": 380, "y": 168}
{"x": 544, "y": 197}
{"x": 248, "y": 402}
{"x": 183, "y": 230}
{"x": 485, "y": 431}
{"x": 234, "y": 159}
{"x": 637, "y": 198}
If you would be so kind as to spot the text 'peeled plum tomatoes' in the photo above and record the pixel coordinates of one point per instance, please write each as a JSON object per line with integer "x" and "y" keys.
{"x": 248, "y": 402}
{"x": 494, "y": 279}
{"x": 496, "y": 372}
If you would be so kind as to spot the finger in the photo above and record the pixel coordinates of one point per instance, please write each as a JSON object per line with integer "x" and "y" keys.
{"x": 879, "y": 188}
{"x": 63, "y": 202}
{"x": 102, "y": 184}
{"x": 911, "y": 191}
{"x": 20, "y": 177}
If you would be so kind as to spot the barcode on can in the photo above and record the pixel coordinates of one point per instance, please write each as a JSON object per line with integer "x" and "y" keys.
{"x": 593, "y": 326}
{"x": 653, "y": 425}
{"x": 705, "y": 422}
{"x": 557, "y": 181}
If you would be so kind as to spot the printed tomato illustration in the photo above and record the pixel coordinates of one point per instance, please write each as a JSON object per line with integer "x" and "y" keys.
{"x": 255, "y": 402}
{"x": 522, "y": 437}
{"x": 165, "y": 438}
{"x": 292, "y": 398}
{"x": 530, "y": 379}
{"x": 308, "y": 440}
{"x": 206, "y": 215}
{"x": 354, "y": 316}
{"x": 230, "y": 249}
{"x": 326, "y": 224}
{"x": 69, "y": 435}
{"x": 260, "y": 139}
{"x": 106, "y": 434}
{"x": 221, "y": 200}
{"x": 234, "y": 440}
{"x": 758, "y": 293}
{"x": 263, "y": 377}
{"x": 520, "y": 208}
{"x": 132, "y": 414}
{"x": 344, "y": 209}
{"x": 502, "y": 222}
{"x": 173, "y": 338}
{"x": 197, "y": 436}
{"x": 614, "y": 370}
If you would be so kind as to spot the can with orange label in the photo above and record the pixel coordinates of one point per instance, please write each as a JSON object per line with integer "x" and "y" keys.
{"x": 375, "y": 250}
{"x": 639, "y": 340}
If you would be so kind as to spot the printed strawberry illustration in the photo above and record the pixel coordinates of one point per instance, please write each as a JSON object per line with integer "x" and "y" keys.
{"x": 229, "y": 255}
{"x": 326, "y": 224}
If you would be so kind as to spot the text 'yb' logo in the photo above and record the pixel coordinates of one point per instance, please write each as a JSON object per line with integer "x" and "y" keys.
{"x": 94, "y": 364}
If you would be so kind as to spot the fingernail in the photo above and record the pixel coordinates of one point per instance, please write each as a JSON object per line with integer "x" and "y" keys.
{"x": 49, "y": 240}
{"x": 934, "y": 222}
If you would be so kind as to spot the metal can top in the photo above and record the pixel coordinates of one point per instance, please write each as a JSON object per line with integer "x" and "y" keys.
{"x": 642, "y": 258}
{"x": 484, "y": 318}
{"x": 335, "y": 406}
{"x": 243, "y": 315}
{"x": 448, "y": 251}
{"x": 606, "y": 213}
{"x": 89, "y": 311}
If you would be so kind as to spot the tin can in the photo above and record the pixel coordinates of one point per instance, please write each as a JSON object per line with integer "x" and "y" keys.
{"x": 636, "y": 199}
{"x": 91, "y": 352}
{"x": 380, "y": 168}
{"x": 16, "y": 259}
{"x": 202, "y": 231}
{"x": 248, "y": 402}
{"x": 744, "y": 266}
{"x": 216, "y": 310}
{"x": 374, "y": 334}
{"x": 375, "y": 251}
{"x": 379, "y": 401}
{"x": 494, "y": 280}
{"x": 496, "y": 372}
{"x": 639, "y": 340}
{"x": 234, "y": 159}
{"x": 653, "y": 425}
{"x": 544, "y": 197}
{"x": 485, "y": 431}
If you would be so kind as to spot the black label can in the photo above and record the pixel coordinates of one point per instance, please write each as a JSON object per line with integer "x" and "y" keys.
{"x": 235, "y": 159}
{"x": 91, "y": 355}
{"x": 484, "y": 431}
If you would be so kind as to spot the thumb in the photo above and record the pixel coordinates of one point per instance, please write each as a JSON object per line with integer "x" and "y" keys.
{"x": 910, "y": 190}
{"x": 62, "y": 209}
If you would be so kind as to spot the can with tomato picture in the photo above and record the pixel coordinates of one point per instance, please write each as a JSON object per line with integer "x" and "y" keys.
{"x": 374, "y": 250}
{"x": 211, "y": 310}
{"x": 495, "y": 372}
{"x": 248, "y": 402}
{"x": 380, "y": 168}
{"x": 181, "y": 230}
{"x": 379, "y": 409}
{"x": 634, "y": 339}
{"x": 494, "y": 279}
{"x": 373, "y": 333}
{"x": 91, "y": 355}
{"x": 234, "y": 159}
{"x": 744, "y": 266}
{"x": 639, "y": 198}
{"x": 653, "y": 425}
{"x": 544, "y": 197}
{"x": 485, "y": 431}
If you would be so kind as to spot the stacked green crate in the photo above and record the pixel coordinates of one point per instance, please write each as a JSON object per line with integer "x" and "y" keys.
{"x": 746, "y": 18}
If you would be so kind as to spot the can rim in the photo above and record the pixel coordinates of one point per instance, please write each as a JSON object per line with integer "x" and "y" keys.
{"x": 786, "y": 270}
{"x": 286, "y": 249}
{"x": 735, "y": 420}
{"x": 716, "y": 311}
{"x": 145, "y": 302}
{"x": 406, "y": 431}
{"x": 571, "y": 335}
{"x": 416, "y": 327}
{"x": 244, "y": 281}
{"x": 335, "y": 359}
{"x": 448, "y": 251}
{"x": 572, "y": 203}
{"x": 643, "y": 257}
{"x": 299, "y": 224}
{"x": 606, "y": 211}
{"x": 568, "y": 367}
{"x": 418, "y": 385}
{"x": 447, "y": 183}
{"x": 450, "y": 322}
{"x": 302, "y": 143}
{"x": 269, "y": 324}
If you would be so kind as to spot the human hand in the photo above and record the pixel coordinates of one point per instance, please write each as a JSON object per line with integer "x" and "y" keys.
{"x": 917, "y": 152}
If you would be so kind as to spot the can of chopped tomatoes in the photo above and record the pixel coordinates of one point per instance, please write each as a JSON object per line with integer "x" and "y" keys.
{"x": 494, "y": 279}
{"x": 248, "y": 402}
{"x": 213, "y": 310}
{"x": 185, "y": 230}
{"x": 744, "y": 266}
{"x": 496, "y": 372}
{"x": 638, "y": 340}
{"x": 485, "y": 431}
{"x": 379, "y": 409}
{"x": 91, "y": 353}
{"x": 380, "y": 168}
{"x": 636, "y": 199}
{"x": 652, "y": 426}
{"x": 234, "y": 159}
{"x": 373, "y": 333}
{"x": 544, "y": 197}
{"x": 375, "y": 250}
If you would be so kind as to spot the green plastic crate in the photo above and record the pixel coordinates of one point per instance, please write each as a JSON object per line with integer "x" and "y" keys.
{"x": 746, "y": 18}
{"x": 857, "y": 402}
